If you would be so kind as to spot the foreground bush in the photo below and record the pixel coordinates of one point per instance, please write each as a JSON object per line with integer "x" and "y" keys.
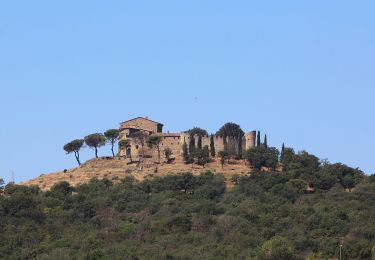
{"x": 265, "y": 216}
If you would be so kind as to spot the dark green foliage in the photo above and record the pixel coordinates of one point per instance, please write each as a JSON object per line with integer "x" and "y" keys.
{"x": 265, "y": 216}
{"x": 199, "y": 144}
{"x": 112, "y": 136}
{"x": 192, "y": 145}
{"x": 185, "y": 152}
{"x": 265, "y": 143}
{"x": 203, "y": 155}
{"x": 74, "y": 147}
{"x": 261, "y": 156}
{"x": 212, "y": 146}
{"x": 234, "y": 134}
{"x": 258, "y": 139}
{"x": 197, "y": 131}
{"x": 230, "y": 130}
{"x": 95, "y": 141}
{"x": 277, "y": 248}
{"x": 223, "y": 156}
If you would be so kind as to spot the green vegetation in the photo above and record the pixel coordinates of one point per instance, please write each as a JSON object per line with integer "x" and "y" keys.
{"x": 265, "y": 143}
{"x": 197, "y": 131}
{"x": 223, "y": 156}
{"x": 1, "y": 185}
{"x": 74, "y": 147}
{"x": 234, "y": 134}
{"x": 265, "y": 216}
{"x": 212, "y": 146}
{"x": 185, "y": 153}
{"x": 258, "y": 139}
{"x": 112, "y": 136}
{"x": 262, "y": 156}
{"x": 94, "y": 141}
{"x": 168, "y": 153}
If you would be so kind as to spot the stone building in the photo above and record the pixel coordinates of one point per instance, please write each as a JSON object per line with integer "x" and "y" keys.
{"x": 173, "y": 141}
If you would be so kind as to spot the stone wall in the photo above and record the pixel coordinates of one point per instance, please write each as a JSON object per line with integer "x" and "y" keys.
{"x": 176, "y": 141}
{"x": 247, "y": 143}
{"x": 140, "y": 123}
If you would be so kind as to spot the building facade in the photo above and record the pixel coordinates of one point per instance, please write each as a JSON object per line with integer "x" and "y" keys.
{"x": 144, "y": 127}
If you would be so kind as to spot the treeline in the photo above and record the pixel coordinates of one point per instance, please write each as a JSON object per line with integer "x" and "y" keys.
{"x": 94, "y": 141}
{"x": 265, "y": 216}
{"x": 111, "y": 136}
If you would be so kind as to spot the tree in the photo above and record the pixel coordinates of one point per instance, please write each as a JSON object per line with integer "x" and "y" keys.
{"x": 168, "y": 152}
{"x": 235, "y": 134}
{"x": 185, "y": 152}
{"x": 277, "y": 248}
{"x": 94, "y": 141}
{"x": 74, "y": 147}
{"x": 1, "y": 184}
{"x": 212, "y": 146}
{"x": 203, "y": 156}
{"x": 154, "y": 141}
{"x": 265, "y": 141}
{"x": 140, "y": 138}
{"x": 199, "y": 142}
{"x": 112, "y": 136}
{"x": 191, "y": 144}
{"x": 258, "y": 139}
{"x": 223, "y": 156}
{"x": 197, "y": 131}
{"x": 259, "y": 157}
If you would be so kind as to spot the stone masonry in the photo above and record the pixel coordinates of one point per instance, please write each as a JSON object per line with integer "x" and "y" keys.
{"x": 173, "y": 141}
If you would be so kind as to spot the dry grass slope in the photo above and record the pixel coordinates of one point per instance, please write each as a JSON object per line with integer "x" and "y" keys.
{"x": 117, "y": 169}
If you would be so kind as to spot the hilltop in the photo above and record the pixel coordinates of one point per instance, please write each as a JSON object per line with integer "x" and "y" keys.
{"x": 116, "y": 169}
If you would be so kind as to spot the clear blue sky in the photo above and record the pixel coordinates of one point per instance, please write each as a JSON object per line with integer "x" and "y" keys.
{"x": 300, "y": 71}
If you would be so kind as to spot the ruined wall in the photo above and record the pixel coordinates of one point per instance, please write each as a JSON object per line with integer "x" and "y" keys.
{"x": 171, "y": 142}
{"x": 175, "y": 143}
{"x": 247, "y": 142}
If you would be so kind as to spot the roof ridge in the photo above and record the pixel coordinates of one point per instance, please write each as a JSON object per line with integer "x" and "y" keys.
{"x": 145, "y": 118}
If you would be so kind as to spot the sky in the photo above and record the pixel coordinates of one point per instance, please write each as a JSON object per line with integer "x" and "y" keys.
{"x": 300, "y": 71}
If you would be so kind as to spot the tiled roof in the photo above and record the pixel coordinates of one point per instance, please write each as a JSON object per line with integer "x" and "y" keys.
{"x": 144, "y": 118}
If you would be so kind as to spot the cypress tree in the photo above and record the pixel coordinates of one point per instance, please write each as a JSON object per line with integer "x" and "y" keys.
{"x": 192, "y": 144}
{"x": 185, "y": 152}
{"x": 258, "y": 139}
{"x": 200, "y": 142}
{"x": 239, "y": 150}
{"x": 265, "y": 141}
{"x": 212, "y": 146}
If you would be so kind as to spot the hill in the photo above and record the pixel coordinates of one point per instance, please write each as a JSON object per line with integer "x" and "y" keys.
{"x": 116, "y": 169}
{"x": 181, "y": 215}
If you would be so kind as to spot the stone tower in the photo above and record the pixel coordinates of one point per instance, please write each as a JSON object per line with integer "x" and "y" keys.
{"x": 250, "y": 138}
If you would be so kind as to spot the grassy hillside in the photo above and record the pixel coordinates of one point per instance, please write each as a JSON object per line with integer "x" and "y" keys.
{"x": 184, "y": 216}
{"x": 116, "y": 169}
